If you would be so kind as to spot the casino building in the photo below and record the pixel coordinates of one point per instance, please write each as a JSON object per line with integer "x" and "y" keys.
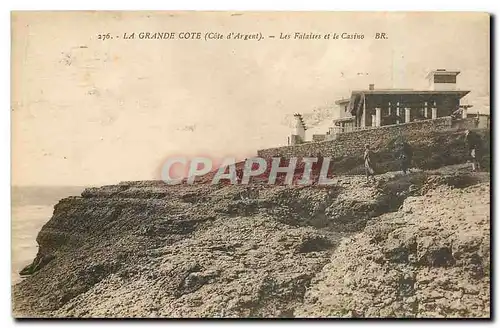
{"x": 378, "y": 107}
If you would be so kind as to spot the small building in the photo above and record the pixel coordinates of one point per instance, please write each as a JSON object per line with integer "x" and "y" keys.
{"x": 482, "y": 121}
{"x": 299, "y": 135}
{"x": 378, "y": 107}
{"x": 345, "y": 122}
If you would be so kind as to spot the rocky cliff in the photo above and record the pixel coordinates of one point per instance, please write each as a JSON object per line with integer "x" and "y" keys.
{"x": 412, "y": 245}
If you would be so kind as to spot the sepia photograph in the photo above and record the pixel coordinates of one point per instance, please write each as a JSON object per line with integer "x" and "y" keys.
{"x": 250, "y": 164}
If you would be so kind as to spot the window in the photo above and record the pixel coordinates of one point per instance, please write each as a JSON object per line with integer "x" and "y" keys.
{"x": 445, "y": 79}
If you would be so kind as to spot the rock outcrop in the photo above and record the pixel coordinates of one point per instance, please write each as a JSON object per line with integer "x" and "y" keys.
{"x": 407, "y": 246}
{"x": 430, "y": 259}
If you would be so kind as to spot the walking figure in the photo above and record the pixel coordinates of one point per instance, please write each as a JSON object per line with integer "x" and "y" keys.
{"x": 473, "y": 141}
{"x": 369, "y": 163}
{"x": 405, "y": 154}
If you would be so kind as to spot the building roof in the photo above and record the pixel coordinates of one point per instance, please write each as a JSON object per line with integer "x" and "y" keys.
{"x": 478, "y": 114}
{"x": 460, "y": 93}
{"x": 357, "y": 94}
{"x": 344, "y": 119}
{"x": 342, "y": 101}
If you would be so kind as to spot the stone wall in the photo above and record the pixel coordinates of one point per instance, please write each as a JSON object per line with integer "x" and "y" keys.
{"x": 468, "y": 123}
{"x": 318, "y": 137}
{"x": 353, "y": 143}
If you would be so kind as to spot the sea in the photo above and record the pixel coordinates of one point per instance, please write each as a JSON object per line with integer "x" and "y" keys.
{"x": 32, "y": 207}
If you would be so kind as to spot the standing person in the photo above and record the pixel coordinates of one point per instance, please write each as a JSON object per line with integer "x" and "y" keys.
{"x": 405, "y": 155}
{"x": 319, "y": 163}
{"x": 369, "y": 163}
{"x": 473, "y": 141}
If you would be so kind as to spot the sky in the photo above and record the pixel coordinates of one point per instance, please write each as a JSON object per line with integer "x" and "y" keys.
{"x": 88, "y": 112}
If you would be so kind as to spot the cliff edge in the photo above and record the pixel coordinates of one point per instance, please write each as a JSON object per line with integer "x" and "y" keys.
{"x": 412, "y": 245}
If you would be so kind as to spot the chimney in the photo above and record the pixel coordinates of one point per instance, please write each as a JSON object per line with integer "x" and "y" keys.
{"x": 442, "y": 79}
{"x": 371, "y": 87}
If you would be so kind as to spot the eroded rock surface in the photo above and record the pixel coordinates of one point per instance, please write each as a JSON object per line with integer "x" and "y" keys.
{"x": 430, "y": 259}
{"x": 415, "y": 245}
